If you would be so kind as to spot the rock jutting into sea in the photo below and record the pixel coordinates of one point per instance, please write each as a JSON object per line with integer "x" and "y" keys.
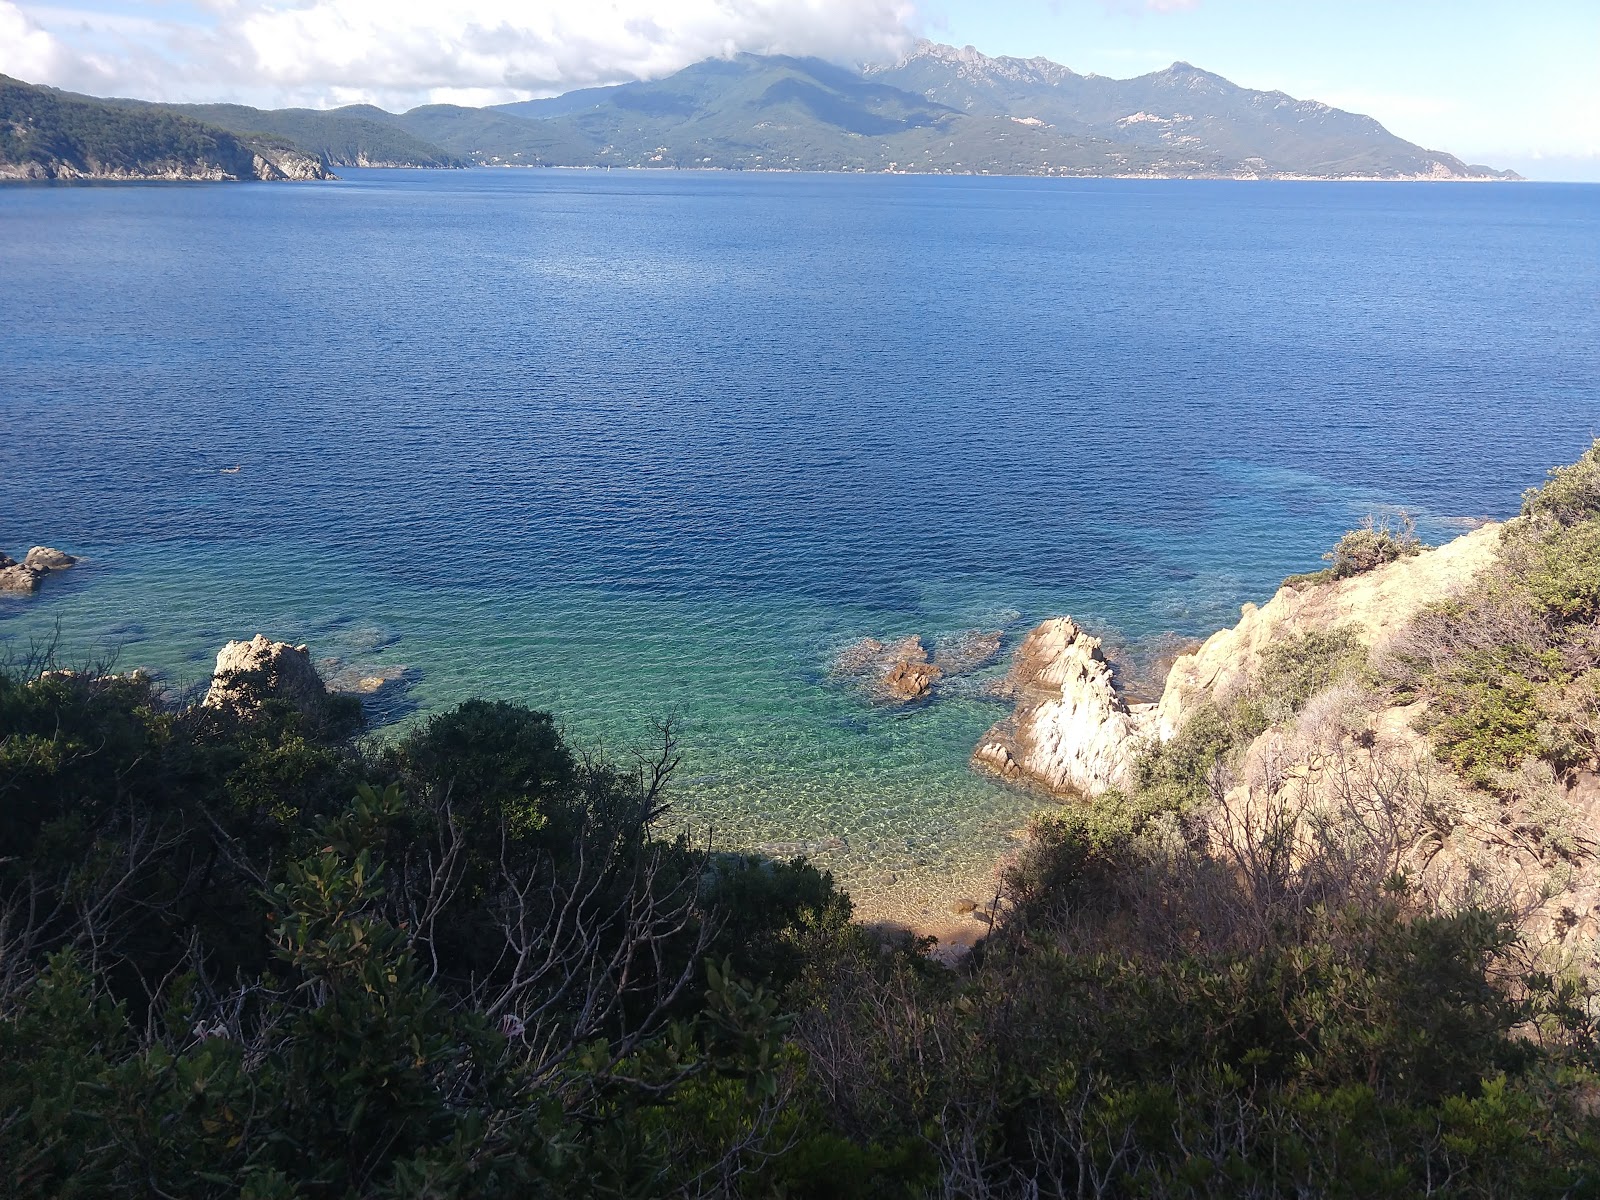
{"x": 1074, "y": 731}
{"x": 250, "y": 673}
{"x": 27, "y": 575}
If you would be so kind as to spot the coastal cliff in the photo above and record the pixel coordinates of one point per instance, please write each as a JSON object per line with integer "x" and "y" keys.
{"x": 1073, "y": 731}
{"x": 1442, "y": 705}
{"x": 49, "y": 135}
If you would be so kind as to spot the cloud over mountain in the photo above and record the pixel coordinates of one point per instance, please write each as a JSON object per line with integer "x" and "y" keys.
{"x": 408, "y": 51}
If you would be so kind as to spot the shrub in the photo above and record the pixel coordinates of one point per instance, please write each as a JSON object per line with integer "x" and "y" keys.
{"x": 1569, "y": 495}
{"x": 1372, "y": 545}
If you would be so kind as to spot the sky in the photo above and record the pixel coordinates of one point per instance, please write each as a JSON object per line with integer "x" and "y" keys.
{"x": 1511, "y": 83}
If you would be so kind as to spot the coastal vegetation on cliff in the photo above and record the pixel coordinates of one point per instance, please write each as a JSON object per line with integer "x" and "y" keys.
{"x": 46, "y": 134}
{"x": 1330, "y": 933}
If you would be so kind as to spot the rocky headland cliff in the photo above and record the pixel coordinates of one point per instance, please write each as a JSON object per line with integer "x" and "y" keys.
{"x": 50, "y": 135}
{"x": 1360, "y": 704}
{"x": 1074, "y": 732}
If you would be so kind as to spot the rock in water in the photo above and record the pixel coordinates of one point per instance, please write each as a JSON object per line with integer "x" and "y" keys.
{"x": 249, "y": 673}
{"x": 14, "y": 577}
{"x": 25, "y": 576}
{"x": 43, "y": 558}
{"x": 967, "y": 651}
{"x": 896, "y": 673}
{"x": 909, "y": 679}
{"x": 1072, "y": 731}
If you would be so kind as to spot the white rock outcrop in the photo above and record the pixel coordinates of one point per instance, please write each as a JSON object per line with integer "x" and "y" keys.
{"x": 249, "y": 673}
{"x": 1374, "y": 606}
{"x": 1072, "y": 731}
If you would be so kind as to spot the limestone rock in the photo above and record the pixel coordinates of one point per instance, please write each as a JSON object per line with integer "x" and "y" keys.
{"x": 43, "y": 558}
{"x": 1072, "y": 732}
{"x": 1374, "y": 605}
{"x": 249, "y": 673}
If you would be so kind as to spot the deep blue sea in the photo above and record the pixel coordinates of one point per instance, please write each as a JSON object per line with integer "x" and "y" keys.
{"x": 629, "y": 445}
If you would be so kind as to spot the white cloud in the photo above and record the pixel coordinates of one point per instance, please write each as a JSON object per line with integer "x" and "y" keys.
{"x": 402, "y": 52}
{"x": 27, "y": 51}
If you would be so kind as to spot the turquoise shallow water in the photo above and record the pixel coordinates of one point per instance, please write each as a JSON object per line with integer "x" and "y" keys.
{"x": 632, "y": 446}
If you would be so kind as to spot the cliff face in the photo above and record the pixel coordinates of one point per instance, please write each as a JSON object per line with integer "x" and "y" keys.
{"x": 1373, "y": 606}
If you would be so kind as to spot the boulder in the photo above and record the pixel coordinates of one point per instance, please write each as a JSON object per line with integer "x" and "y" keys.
{"x": 17, "y": 577}
{"x": 909, "y": 679}
{"x": 250, "y": 673}
{"x": 43, "y": 558}
{"x": 892, "y": 673}
{"x": 1072, "y": 732}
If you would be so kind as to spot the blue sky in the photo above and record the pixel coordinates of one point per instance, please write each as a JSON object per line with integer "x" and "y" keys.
{"x": 1510, "y": 84}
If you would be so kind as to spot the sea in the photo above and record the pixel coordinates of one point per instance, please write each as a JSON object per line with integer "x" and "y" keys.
{"x": 640, "y": 446}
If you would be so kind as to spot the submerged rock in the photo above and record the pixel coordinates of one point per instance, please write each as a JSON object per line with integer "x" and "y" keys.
{"x": 1072, "y": 731}
{"x": 892, "y": 672}
{"x": 966, "y": 652}
{"x": 910, "y": 679}
{"x": 903, "y": 671}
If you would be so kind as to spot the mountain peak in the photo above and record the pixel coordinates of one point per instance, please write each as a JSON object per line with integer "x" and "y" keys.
{"x": 971, "y": 63}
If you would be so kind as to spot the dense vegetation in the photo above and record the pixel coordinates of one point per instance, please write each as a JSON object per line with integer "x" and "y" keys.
{"x": 344, "y": 137}
{"x": 63, "y": 134}
{"x": 244, "y": 954}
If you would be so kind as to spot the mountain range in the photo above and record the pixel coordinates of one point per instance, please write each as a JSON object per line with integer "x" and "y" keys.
{"x": 937, "y": 110}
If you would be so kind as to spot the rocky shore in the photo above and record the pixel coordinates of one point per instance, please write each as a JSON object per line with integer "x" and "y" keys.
{"x": 1073, "y": 732}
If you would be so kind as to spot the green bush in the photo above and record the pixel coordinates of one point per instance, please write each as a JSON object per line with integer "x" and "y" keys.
{"x": 1569, "y": 495}
{"x": 1375, "y": 543}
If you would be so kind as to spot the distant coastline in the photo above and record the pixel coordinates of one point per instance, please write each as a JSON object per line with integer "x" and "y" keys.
{"x": 937, "y": 111}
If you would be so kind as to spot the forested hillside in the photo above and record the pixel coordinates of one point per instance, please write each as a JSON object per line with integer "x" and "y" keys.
{"x": 45, "y": 134}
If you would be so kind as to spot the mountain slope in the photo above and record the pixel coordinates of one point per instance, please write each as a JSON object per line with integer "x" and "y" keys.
{"x": 940, "y": 109}
{"x": 1181, "y": 120}
{"x": 747, "y": 111}
{"x": 344, "y": 137}
{"x": 46, "y": 134}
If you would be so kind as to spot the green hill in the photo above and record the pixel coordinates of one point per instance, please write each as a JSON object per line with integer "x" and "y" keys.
{"x": 345, "y": 137}
{"x": 938, "y": 110}
{"x": 958, "y": 111}
{"x": 46, "y": 134}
